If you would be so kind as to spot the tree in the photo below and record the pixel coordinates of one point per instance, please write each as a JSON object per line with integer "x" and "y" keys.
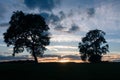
{"x": 93, "y": 46}
{"x": 27, "y": 31}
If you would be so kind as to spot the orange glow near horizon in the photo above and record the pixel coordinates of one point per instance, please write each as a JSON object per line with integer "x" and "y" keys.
{"x": 64, "y": 60}
{"x": 67, "y": 59}
{"x": 61, "y": 60}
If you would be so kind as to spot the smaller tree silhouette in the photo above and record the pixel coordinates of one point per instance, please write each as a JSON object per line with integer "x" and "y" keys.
{"x": 28, "y": 31}
{"x": 93, "y": 46}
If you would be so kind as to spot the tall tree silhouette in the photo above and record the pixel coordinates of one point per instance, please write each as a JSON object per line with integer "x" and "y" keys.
{"x": 27, "y": 31}
{"x": 93, "y": 46}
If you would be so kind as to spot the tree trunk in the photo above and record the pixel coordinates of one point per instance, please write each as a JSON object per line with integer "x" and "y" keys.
{"x": 35, "y": 57}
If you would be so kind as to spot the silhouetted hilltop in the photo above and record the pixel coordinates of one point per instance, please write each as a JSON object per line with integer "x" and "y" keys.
{"x": 60, "y": 71}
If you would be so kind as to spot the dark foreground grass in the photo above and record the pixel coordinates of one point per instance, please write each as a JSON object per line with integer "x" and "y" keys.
{"x": 60, "y": 71}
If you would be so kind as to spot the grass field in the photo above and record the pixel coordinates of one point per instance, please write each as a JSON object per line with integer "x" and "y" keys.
{"x": 60, "y": 71}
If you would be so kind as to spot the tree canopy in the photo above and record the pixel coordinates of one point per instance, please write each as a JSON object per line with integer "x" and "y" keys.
{"x": 27, "y": 31}
{"x": 93, "y": 46}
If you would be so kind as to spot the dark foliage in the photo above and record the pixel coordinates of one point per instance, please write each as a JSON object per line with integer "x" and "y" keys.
{"x": 93, "y": 46}
{"x": 27, "y": 31}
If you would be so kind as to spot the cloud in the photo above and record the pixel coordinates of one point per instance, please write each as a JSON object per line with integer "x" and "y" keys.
{"x": 62, "y": 15}
{"x": 71, "y": 13}
{"x": 61, "y": 47}
{"x": 46, "y": 8}
{"x": 51, "y": 18}
{"x": 91, "y": 12}
{"x": 4, "y": 24}
{"x": 59, "y": 27}
{"x": 114, "y": 57}
{"x": 74, "y": 57}
{"x": 3, "y": 45}
{"x": 46, "y": 16}
{"x": 114, "y": 40}
{"x": 58, "y": 21}
{"x": 1, "y": 36}
{"x": 54, "y": 19}
{"x": 11, "y": 58}
{"x": 103, "y": 15}
{"x": 46, "y": 5}
{"x": 74, "y": 28}
{"x": 67, "y": 52}
{"x": 7, "y": 7}
{"x": 65, "y": 38}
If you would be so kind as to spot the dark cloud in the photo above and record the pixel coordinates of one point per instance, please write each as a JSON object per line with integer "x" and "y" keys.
{"x": 54, "y": 18}
{"x": 62, "y": 15}
{"x": 91, "y": 12}
{"x": 74, "y": 57}
{"x": 47, "y": 55}
{"x": 47, "y": 5}
{"x": 71, "y": 13}
{"x": 4, "y": 24}
{"x": 46, "y": 16}
{"x": 59, "y": 27}
{"x": 51, "y": 18}
{"x": 11, "y": 58}
{"x": 74, "y": 28}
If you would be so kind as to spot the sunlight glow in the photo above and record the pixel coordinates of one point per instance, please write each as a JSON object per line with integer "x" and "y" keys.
{"x": 59, "y": 60}
{"x": 64, "y": 60}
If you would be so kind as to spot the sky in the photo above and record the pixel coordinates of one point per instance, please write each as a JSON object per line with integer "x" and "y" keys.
{"x": 69, "y": 21}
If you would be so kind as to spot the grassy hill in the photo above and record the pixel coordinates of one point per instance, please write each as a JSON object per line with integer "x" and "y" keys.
{"x": 60, "y": 71}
